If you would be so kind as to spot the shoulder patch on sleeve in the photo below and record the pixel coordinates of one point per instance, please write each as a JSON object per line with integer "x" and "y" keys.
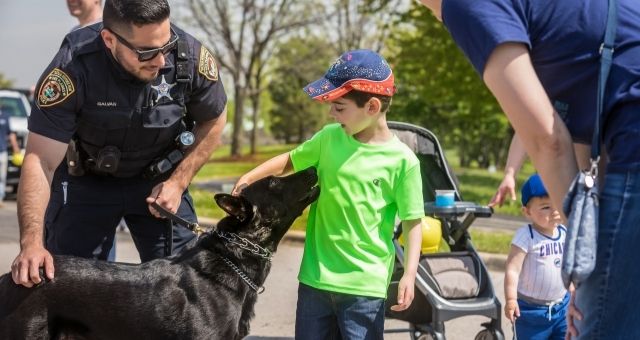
{"x": 55, "y": 88}
{"x": 207, "y": 65}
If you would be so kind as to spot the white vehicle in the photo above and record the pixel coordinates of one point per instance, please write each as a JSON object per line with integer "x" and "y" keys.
{"x": 17, "y": 106}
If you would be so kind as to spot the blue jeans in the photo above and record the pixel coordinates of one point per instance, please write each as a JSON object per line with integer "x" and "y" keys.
{"x": 608, "y": 299}
{"x": 327, "y": 315}
{"x": 539, "y": 322}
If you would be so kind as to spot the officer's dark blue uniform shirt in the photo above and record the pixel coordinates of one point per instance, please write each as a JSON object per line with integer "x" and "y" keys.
{"x": 563, "y": 38}
{"x": 85, "y": 94}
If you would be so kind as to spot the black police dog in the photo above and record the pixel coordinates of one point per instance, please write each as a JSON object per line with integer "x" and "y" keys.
{"x": 207, "y": 292}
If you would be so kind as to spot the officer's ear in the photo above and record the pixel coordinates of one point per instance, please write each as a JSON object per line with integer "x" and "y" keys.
{"x": 108, "y": 38}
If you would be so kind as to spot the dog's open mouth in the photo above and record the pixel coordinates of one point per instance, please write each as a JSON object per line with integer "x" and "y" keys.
{"x": 311, "y": 196}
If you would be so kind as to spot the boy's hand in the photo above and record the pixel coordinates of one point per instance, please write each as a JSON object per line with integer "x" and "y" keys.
{"x": 406, "y": 288}
{"x": 240, "y": 185}
{"x": 511, "y": 310}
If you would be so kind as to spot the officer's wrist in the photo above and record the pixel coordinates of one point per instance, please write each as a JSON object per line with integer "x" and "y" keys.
{"x": 178, "y": 182}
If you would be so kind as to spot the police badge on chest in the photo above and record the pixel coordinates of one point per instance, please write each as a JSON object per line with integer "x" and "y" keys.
{"x": 162, "y": 91}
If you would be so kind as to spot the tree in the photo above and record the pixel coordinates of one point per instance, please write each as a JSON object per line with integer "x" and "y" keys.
{"x": 298, "y": 61}
{"x": 242, "y": 32}
{"x": 361, "y": 23}
{"x": 4, "y": 82}
{"x": 438, "y": 89}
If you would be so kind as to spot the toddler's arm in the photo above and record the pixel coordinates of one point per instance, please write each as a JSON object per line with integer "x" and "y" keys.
{"x": 511, "y": 275}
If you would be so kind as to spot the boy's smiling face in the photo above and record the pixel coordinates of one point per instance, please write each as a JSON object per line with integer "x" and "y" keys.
{"x": 354, "y": 119}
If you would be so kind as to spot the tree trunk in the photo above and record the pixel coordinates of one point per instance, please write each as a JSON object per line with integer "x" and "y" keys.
{"x": 255, "y": 101}
{"x": 236, "y": 143}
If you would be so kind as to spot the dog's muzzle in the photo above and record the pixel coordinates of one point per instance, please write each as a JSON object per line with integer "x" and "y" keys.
{"x": 311, "y": 196}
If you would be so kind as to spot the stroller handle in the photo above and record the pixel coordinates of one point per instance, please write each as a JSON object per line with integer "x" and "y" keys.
{"x": 459, "y": 208}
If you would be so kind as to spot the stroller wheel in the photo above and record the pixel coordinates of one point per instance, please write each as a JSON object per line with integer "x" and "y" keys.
{"x": 427, "y": 335}
{"x": 489, "y": 334}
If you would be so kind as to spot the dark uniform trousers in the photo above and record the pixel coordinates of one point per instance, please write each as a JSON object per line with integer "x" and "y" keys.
{"x": 84, "y": 211}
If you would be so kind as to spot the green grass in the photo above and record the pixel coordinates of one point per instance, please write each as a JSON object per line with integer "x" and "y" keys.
{"x": 491, "y": 242}
{"x": 476, "y": 185}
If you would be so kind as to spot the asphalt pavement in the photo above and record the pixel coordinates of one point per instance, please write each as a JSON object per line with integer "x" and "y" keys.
{"x": 275, "y": 309}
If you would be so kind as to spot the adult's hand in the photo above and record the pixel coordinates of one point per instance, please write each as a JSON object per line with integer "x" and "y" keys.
{"x": 506, "y": 189}
{"x": 25, "y": 269}
{"x": 572, "y": 314}
{"x": 168, "y": 195}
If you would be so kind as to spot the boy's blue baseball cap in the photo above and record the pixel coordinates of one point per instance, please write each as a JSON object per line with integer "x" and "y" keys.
{"x": 533, "y": 187}
{"x": 362, "y": 70}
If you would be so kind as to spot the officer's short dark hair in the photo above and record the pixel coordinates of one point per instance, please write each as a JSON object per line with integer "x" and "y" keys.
{"x": 122, "y": 13}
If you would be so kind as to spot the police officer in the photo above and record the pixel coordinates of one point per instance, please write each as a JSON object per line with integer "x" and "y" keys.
{"x": 114, "y": 100}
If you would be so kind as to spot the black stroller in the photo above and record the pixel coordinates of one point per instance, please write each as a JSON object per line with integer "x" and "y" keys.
{"x": 452, "y": 284}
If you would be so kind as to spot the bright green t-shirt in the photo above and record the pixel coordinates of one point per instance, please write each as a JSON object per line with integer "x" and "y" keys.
{"x": 363, "y": 187}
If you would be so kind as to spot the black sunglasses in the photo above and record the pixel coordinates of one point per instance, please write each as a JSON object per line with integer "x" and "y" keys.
{"x": 146, "y": 55}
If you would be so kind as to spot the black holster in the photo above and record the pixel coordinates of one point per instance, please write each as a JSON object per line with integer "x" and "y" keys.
{"x": 75, "y": 164}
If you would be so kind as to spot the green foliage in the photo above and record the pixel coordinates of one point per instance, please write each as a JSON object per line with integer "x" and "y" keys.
{"x": 438, "y": 89}
{"x": 299, "y": 61}
{"x": 5, "y": 83}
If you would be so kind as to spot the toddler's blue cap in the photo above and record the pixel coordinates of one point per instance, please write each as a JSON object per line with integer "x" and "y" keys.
{"x": 533, "y": 187}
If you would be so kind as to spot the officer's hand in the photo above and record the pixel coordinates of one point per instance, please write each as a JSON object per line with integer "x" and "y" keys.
{"x": 168, "y": 195}
{"x": 406, "y": 288}
{"x": 25, "y": 268}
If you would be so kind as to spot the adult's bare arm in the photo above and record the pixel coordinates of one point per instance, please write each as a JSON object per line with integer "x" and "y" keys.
{"x": 510, "y": 76}
{"x": 43, "y": 155}
{"x": 207, "y": 138}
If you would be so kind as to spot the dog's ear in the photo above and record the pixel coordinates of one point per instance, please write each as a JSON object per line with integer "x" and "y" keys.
{"x": 233, "y": 205}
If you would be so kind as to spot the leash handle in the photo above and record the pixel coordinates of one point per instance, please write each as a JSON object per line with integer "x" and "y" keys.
{"x": 193, "y": 226}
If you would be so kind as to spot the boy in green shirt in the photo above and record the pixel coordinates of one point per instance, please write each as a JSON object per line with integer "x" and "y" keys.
{"x": 367, "y": 176}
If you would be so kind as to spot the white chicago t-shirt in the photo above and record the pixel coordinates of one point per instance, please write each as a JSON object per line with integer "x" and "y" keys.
{"x": 540, "y": 275}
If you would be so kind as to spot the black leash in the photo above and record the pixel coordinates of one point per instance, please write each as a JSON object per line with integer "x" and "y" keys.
{"x": 171, "y": 219}
{"x": 231, "y": 238}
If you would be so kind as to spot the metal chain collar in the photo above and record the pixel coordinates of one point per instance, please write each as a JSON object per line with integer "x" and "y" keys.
{"x": 245, "y": 244}
{"x": 243, "y": 276}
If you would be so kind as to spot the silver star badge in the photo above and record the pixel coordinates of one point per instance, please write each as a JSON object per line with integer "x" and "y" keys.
{"x": 163, "y": 89}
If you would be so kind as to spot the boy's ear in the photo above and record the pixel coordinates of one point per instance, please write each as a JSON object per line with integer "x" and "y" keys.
{"x": 375, "y": 106}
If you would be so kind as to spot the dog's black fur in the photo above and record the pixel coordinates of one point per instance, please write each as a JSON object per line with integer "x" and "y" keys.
{"x": 192, "y": 295}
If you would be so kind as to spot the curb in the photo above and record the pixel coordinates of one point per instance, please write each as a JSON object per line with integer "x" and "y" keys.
{"x": 494, "y": 262}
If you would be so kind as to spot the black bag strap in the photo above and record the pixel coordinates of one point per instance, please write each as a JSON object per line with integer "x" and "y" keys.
{"x": 606, "y": 57}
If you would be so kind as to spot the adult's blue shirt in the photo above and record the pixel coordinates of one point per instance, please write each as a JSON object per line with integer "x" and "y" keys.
{"x": 563, "y": 38}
